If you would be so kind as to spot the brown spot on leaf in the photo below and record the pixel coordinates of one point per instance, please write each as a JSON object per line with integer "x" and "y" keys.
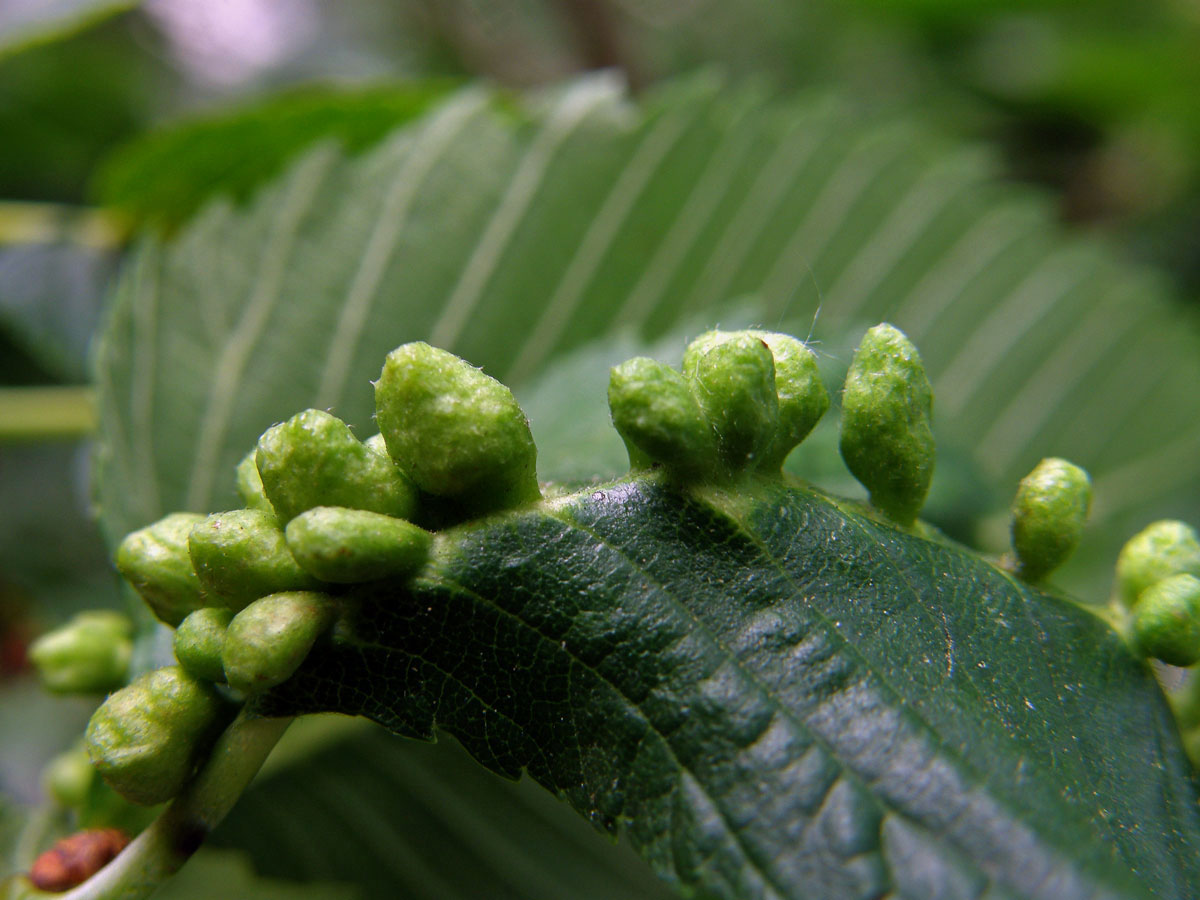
{"x": 75, "y": 859}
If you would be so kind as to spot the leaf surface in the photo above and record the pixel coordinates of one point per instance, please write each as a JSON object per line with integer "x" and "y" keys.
{"x": 780, "y": 697}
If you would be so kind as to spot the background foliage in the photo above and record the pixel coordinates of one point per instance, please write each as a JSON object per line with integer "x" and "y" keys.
{"x": 158, "y": 131}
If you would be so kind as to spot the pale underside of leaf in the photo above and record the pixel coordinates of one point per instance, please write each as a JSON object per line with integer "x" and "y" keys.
{"x": 511, "y": 243}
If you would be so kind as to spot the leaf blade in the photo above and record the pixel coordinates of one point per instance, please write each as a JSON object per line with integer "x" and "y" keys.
{"x": 651, "y": 656}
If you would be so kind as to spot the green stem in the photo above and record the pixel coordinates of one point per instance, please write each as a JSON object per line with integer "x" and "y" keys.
{"x": 46, "y": 413}
{"x": 173, "y": 837}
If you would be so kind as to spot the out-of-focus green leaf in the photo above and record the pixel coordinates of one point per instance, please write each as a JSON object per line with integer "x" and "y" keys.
{"x": 24, "y": 23}
{"x": 400, "y": 818}
{"x": 511, "y": 244}
{"x": 36, "y": 726}
{"x": 165, "y": 176}
{"x": 51, "y": 557}
{"x": 50, "y": 300}
{"x": 230, "y": 874}
{"x": 66, "y": 104}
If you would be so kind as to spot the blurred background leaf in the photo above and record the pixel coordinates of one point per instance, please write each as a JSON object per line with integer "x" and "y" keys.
{"x": 405, "y": 819}
{"x": 27, "y": 22}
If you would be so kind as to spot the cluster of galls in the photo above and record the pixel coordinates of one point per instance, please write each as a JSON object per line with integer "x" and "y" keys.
{"x": 1158, "y": 592}
{"x": 250, "y": 591}
{"x": 745, "y": 399}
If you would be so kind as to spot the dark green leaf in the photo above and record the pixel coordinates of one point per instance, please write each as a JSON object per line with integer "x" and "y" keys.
{"x": 780, "y": 697}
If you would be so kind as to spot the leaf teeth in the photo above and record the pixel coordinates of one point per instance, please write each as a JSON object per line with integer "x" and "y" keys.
{"x": 887, "y": 412}
{"x": 1049, "y": 512}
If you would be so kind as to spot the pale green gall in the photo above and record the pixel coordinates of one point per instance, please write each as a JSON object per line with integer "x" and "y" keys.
{"x": 90, "y": 654}
{"x": 887, "y": 416}
{"x": 733, "y": 380}
{"x": 458, "y": 433}
{"x": 147, "y": 739}
{"x": 155, "y": 560}
{"x": 1048, "y": 515}
{"x": 241, "y": 555}
{"x": 656, "y": 414}
{"x": 345, "y": 546}
{"x": 1166, "y": 620}
{"x": 200, "y": 641}
{"x": 266, "y": 642}
{"x": 1160, "y": 550}
{"x": 314, "y": 459}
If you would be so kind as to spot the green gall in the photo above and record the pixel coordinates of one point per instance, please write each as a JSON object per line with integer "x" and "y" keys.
{"x": 887, "y": 411}
{"x": 1166, "y": 621}
{"x": 657, "y": 416}
{"x": 1159, "y": 551}
{"x": 803, "y": 399}
{"x": 200, "y": 640}
{"x": 241, "y": 555}
{"x": 147, "y": 738}
{"x": 90, "y": 654}
{"x": 314, "y": 459}
{"x": 457, "y": 432}
{"x": 155, "y": 560}
{"x": 250, "y": 486}
{"x": 376, "y": 444}
{"x": 68, "y": 778}
{"x": 732, "y": 377}
{"x": 266, "y": 642}
{"x": 1048, "y": 515}
{"x": 345, "y": 546}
